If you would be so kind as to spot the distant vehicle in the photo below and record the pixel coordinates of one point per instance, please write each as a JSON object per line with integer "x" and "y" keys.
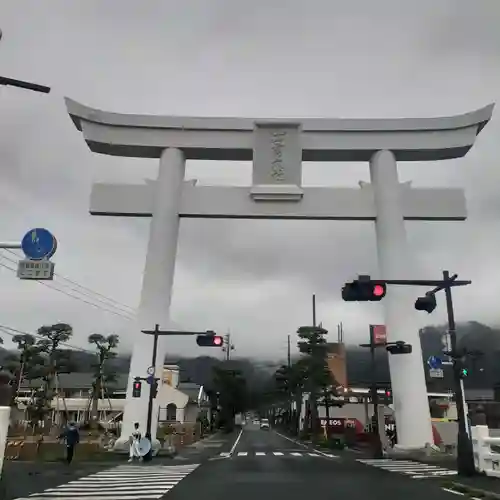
{"x": 256, "y": 422}
{"x": 264, "y": 424}
{"x": 238, "y": 420}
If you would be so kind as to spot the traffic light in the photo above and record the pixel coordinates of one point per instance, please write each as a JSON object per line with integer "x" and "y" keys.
{"x": 363, "y": 291}
{"x": 399, "y": 348}
{"x": 426, "y": 303}
{"x": 209, "y": 340}
{"x": 136, "y": 389}
{"x": 461, "y": 367}
{"x": 387, "y": 396}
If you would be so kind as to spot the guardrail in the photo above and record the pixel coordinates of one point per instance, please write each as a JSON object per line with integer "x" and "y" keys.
{"x": 486, "y": 460}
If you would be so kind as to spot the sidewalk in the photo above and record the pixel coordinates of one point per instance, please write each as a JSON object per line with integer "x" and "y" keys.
{"x": 208, "y": 447}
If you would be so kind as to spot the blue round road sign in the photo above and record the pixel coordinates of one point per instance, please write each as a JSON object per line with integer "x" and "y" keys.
{"x": 38, "y": 244}
{"x": 434, "y": 362}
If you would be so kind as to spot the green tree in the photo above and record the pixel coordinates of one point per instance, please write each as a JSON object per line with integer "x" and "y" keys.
{"x": 24, "y": 364}
{"x": 231, "y": 388}
{"x": 319, "y": 380}
{"x": 290, "y": 383}
{"x": 55, "y": 361}
{"x": 102, "y": 375}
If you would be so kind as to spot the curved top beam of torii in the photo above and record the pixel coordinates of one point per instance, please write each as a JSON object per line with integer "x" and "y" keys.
{"x": 321, "y": 139}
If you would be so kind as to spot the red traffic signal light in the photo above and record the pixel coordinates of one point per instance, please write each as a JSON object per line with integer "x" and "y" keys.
{"x": 136, "y": 389}
{"x": 388, "y": 393}
{"x": 209, "y": 340}
{"x": 364, "y": 291}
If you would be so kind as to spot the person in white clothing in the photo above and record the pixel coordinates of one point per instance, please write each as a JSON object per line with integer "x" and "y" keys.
{"x": 134, "y": 443}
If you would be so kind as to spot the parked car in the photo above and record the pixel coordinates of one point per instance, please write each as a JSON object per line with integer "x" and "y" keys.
{"x": 264, "y": 424}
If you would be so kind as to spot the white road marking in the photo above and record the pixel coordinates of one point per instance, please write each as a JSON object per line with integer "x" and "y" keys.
{"x": 231, "y": 451}
{"x": 280, "y": 454}
{"x": 453, "y": 491}
{"x": 416, "y": 470}
{"x": 303, "y": 445}
{"x": 120, "y": 483}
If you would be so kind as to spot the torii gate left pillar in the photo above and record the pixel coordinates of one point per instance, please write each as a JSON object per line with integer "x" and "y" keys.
{"x": 278, "y": 149}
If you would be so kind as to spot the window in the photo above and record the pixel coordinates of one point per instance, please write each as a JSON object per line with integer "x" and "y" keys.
{"x": 171, "y": 412}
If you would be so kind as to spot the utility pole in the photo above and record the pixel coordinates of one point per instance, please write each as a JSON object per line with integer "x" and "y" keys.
{"x": 289, "y": 354}
{"x": 314, "y": 309}
{"x": 228, "y": 346}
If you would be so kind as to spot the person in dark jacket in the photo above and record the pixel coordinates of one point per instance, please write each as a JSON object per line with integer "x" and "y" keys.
{"x": 72, "y": 438}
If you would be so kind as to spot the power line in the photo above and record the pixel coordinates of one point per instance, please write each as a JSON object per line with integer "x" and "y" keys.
{"x": 128, "y": 309}
{"x": 71, "y": 295}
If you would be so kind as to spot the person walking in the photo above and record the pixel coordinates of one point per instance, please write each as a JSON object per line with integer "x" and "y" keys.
{"x": 72, "y": 437}
{"x": 135, "y": 438}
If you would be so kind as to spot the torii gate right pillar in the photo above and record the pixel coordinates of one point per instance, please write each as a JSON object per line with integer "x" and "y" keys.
{"x": 395, "y": 262}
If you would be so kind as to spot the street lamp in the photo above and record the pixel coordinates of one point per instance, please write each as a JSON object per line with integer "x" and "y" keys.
{"x": 11, "y": 82}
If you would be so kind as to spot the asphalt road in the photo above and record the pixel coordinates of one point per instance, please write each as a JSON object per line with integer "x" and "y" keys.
{"x": 256, "y": 464}
{"x": 264, "y": 465}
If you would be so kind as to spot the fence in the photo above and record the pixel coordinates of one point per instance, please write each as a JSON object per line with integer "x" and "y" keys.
{"x": 179, "y": 435}
{"x": 486, "y": 459}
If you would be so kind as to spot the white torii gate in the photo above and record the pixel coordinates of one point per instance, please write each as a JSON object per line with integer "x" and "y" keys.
{"x": 277, "y": 149}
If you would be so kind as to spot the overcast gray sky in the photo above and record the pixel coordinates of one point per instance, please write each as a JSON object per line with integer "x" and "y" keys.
{"x": 259, "y": 58}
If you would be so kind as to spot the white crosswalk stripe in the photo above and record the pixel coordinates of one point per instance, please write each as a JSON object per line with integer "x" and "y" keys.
{"x": 281, "y": 454}
{"x": 125, "y": 482}
{"x": 415, "y": 470}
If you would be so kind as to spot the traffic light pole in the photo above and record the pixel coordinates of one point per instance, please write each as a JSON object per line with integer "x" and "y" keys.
{"x": 151, "y": 391}
{"x": 378, "y": 427}
{"x": 465, "y": 452}
{"x": 377, "y": 452}
{"x": 465, "y": 455}
{"x": 156, "y": 334}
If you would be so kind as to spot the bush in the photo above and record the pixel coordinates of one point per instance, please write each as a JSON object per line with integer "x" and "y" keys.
{"x": 336, "y": 442}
